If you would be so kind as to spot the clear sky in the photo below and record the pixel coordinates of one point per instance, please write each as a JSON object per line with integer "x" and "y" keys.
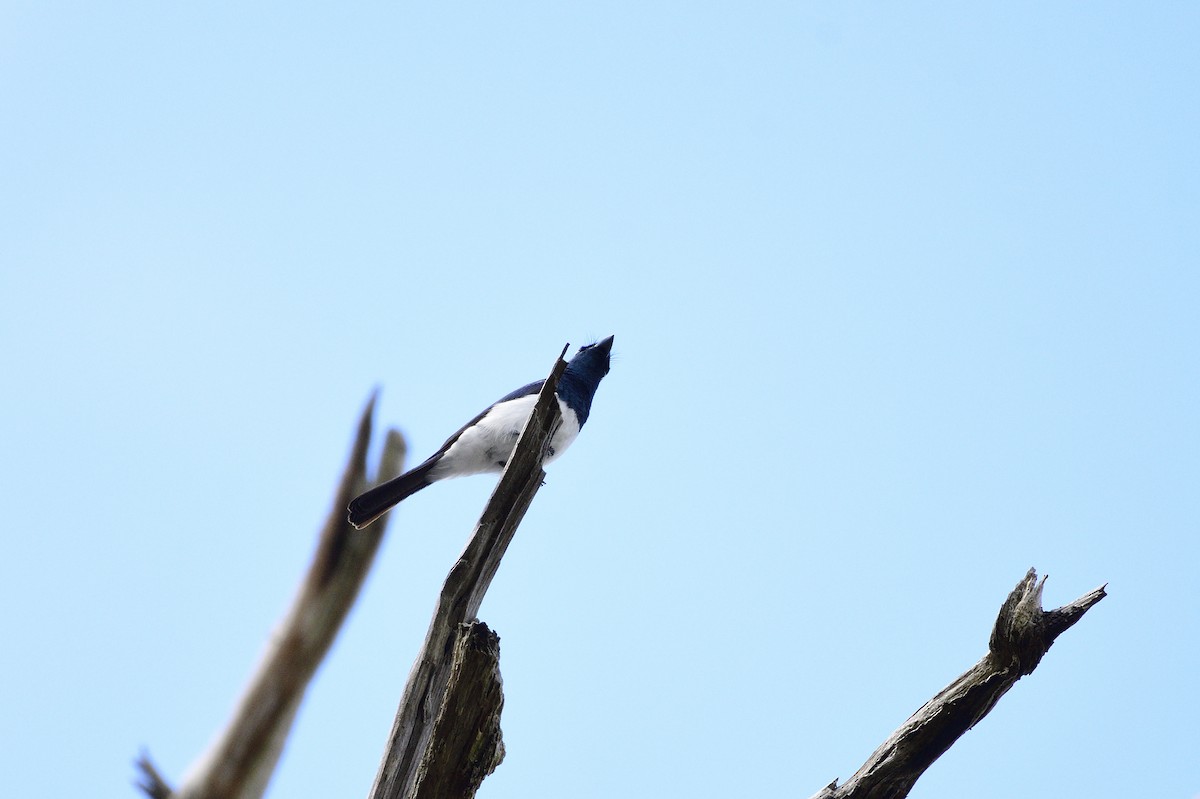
{"x": 905, "y": 302}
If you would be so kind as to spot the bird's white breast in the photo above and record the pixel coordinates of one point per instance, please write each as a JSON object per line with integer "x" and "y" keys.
{"x": 487, "y": 444}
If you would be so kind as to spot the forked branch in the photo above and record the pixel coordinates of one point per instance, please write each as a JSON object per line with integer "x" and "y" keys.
{"x": 240, "y": 760}
{"x": 1022, "y": 634}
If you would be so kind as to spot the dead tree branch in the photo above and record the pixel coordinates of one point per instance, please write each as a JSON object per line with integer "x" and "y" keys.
{"x": 466, "y": 743}
{"x": 1022, "y": 635}
{"x": 240, "y": 760}
{"x": 440, "y": 745}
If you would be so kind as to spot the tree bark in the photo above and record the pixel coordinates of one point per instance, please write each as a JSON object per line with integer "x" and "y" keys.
{"x": 466, "y": 744}
{"x": 1021, "y": 636}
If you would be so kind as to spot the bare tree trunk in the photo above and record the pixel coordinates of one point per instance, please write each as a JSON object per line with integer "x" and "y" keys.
{"x": 1022, "y": 635}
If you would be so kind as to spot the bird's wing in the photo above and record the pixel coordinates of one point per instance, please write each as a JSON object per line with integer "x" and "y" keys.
{"x": 523, "y": 391}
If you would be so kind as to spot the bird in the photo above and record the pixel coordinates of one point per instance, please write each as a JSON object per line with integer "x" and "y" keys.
{"x": 485, "y": 443}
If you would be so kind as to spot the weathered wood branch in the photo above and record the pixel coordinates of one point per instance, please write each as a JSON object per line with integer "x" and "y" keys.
{"x": 240, "y": 761}
{"x": 1021, "y": 636}
{"x": 466, "y": 744}
{"x": 419, "y": 760}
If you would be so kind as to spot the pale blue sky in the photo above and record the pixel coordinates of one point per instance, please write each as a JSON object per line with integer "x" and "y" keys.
{"x": 904, "y": 301}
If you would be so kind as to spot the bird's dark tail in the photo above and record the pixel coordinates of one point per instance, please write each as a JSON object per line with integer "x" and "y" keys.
{"x": 370, "y": 505}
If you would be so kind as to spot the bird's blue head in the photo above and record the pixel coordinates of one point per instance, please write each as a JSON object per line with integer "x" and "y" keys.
{"x": 582, "y": 376}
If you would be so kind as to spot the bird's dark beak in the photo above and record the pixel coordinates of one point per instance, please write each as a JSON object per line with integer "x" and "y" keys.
{"x": 605, "y": 345}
